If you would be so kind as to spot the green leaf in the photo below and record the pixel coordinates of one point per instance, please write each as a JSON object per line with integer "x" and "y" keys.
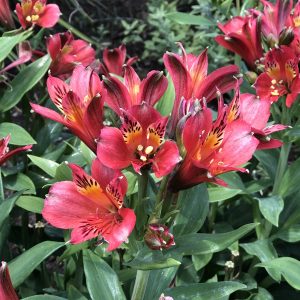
{"x": 7, "y": 43}
{"x": 188, "y": 19}
{"x": 193, "y": 209}
{"x": 18, "y": 135}
{"x": 7, "y": 206}
{"x": 205, "y": 291}
{"x": 102, "y": 281}
{"x": 269, "y": 160}
{"x": 146, "y": 259}
{"x": 31, "y": 203}
{"x": 217, "y": 194}
{"x": 265, "y": 251}
{"x": 45, "y": 297}
{"x": 271, "y": 207}
{"x": 74, "y": 293}
{"x": 262, "y": 294}
{"x": 291, "y": 234}
{"x": 288, "y": 267}
{"x": 132, "y": 180}
{"x": 63, "y": 172}
{"x": 48, "y": 166}
{"x": 24, "y": 82}
{"x": 23, "y": 265}
{"x": 203, "y": 243}
{"x": 19, "y": 182}
{"x": 200, "y": 261}
{"x": 87, "y": 153}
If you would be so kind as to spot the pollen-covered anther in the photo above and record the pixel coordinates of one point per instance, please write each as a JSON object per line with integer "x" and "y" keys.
{"x": 143, "y": 158}
{"x": 148, "y": 150}
{"x": 140, "y": 148}
{"x": 275, "y": 93}
{"x": 273, "y": 81}
{"x": 28, "y": 19}
{"x": 34, "y": 18}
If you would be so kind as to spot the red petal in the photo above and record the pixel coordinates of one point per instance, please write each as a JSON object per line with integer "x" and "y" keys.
{"x": 57, "y": 90}
{"x": 114, "y": 59}
{"x": 50, "y": 16}
{"x": 48, "y": 113}
{"x": 20, "y": 16}
{"x": 132, "y": 82}
{"x": 7, "y": 291}
{"x": 14, "y": 152}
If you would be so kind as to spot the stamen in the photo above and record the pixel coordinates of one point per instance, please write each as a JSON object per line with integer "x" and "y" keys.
{"x": 148, "y": 150}
{"x": 28, "y": 19}
{"x": 273, "y": 81}
{"x": 143, "y": 158}
{"x": 140, "y": 148}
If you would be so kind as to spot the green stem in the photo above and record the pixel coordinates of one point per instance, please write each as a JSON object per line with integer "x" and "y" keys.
{"x": 76, "y": 31}
{"x": 140, "y": 285}
{"x": 212, "y": 216}
{"x": 1, "y": 188}
{"x": 257, "y": 219}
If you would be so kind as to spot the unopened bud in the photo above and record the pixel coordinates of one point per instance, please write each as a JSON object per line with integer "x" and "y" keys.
{"x": 286, "y": 36}
{"x": 251, "y": 76}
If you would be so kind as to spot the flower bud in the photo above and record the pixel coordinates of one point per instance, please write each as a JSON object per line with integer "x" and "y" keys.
{"x": 158, "y": 237}
{"x": 7, "y": 291}
{"x": 286, "y": 36}
{"x": 251, "y": 76}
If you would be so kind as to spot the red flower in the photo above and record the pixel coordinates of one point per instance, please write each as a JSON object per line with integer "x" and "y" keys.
{"x": 37, "y": 12}
{"x": 256, "y": 112}
{"x": 91, "y": 205}
{"x": 139, "y": 142}
{"x": 296, "y": 15}
{"x": 7, "y": 291}
{"x": 114, "y": 60}
{"x": 189, "y": 75}
{"x": 281, "y": 76}
{"x": 243, "y": 37}
{"x": 133, "y": 91}
{"x": 5, "y": 14}
{"x": 80, "y": 103}
{"x": 213, "y": 147}
{"x": 5, "y": 154}
{"x": 66, "y": 53}
{"x": 158, "y": 237}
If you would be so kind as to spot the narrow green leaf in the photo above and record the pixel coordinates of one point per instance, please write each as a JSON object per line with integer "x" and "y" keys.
{"x": 74, "y": 293}
{"x": 205, "y": 291}
{"x": 193, "y": 209}
{"x": 188, "y": 19}
{"x": 217, "y": 194}
{"x": 288, "y": 267}
{"x": 7, "y": 43}
{"x": 268, "y": 160}
{"x": 31, "y": 203}
{"x": 200, "y": 261}
{"x": 44, "y": 297}
{"x": 48, "y": 166}
{"x": 271, "y": 207}
{"x": 203, "y": 243}
{"x": 19, "y": 182}
{"x": 23, "y": 265}
{"x": 24, "y": 82}
{"x": 18, "y": 135}
{"x": 63, "y": 172}
{"x": 102, "y": 281}
{"x": 291, "y": 234}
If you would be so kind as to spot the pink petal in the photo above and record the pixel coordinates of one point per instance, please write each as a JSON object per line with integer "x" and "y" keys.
{"x": 50, "y": 16}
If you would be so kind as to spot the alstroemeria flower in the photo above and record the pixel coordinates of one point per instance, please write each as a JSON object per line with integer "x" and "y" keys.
{"x": 213, "y": 147}
{"x": 189, "y": 75}
{"x": 7, "y": 291}
{"x": 114, "y": 60}
{"x": 133, "y": 91}
{"x": 296, "y": 15}
{"x": 92, "y": 206}
{"x": 139, "y": 142}
{"x": 37, "y": 12}
{"x": 281, "y": 76}
{"x": 256, "y": 112}
{"x": 243, "y": 37}
{"x": 5, "y": 14}
{"x": 80, "y": 104}
{"x": 5, "y": 154}
{"x": 25, "y": 55}
{"x": 66, "y": 53}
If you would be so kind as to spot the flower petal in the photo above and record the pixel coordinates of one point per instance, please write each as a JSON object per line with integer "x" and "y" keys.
{"x": 50, "y": 16}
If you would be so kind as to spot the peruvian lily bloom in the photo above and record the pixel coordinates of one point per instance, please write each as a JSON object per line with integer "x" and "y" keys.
{"x": 5, "y": 154}
{"x": 243, "y": 37}
{"x": 80, "y": 104}
{"x": 25, "y": 55}
{"x": 133, "y": 91}
{"x": 5, "y": 14}
{"x": 213, "y": 147}
{"x": 37, "y": 12}
{"x": 189, "y": 75}
{"x": 66, "y": 53}
{"x": 139, "y": 142}
{"x": 114, "y": 60}
{"x": 7, "y": 291}
{"x": 92, "y": 206}
{"x": 280, "y": 77}
{"x": 256, "y": 112}
{"x": 296, "y": 15}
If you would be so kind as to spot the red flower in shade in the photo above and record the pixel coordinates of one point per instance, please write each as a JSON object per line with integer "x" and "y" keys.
{"x": 37, "y": 12}
{"x": 158, "y": 237}
{"x": 91, "y": 205}
{"x": 66, "y": 53}
{"x": 213, "y": 147}
{"x": 256, "y": 112}
{"x": 189, "y": 75}
{"x": 5, "y": 154}
{"x": 296, "y": 15}
{"x": 280, "y": 77}
{"x": 114, "y": 60}
{"x": 80, "y": 103}
{"x": 134, "y": 91}
{"x": 5, "y": 14}
{"x": 7, "y": 291}
{"x": 139, "y": 142}
{"x": 243, "y": 37}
